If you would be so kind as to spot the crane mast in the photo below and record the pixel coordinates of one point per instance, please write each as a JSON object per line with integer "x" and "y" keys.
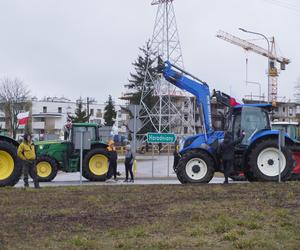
{"x": 270, "y": 54}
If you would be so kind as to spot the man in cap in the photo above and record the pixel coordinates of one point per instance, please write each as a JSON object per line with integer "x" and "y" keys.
{"x": 26, "y": 153}
{"x": 226, "y": 151}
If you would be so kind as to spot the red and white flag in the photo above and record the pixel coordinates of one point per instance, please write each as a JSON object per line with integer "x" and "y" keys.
{"x": 23, "y": 118}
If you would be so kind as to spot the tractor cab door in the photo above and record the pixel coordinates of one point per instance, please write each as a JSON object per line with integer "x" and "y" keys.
{"x": 253, "y": 119}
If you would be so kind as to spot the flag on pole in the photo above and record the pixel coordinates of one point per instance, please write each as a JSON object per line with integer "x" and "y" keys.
{"x": 23, "y": 118}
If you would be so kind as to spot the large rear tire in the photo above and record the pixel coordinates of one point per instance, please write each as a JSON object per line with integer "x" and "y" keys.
{"x": 95, "y": 165}
{"x": 10, "y": 165}
{"x": 45, "y": 169}
{"x": 264, "y": 161}
{"x": 195, "y": 167}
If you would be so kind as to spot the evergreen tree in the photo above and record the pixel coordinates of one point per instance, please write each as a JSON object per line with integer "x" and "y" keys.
{"x": 145, "y": 60}
{"x": 109, "y": 112}
{"x": 81, "y": 115}
{"x": 137, "y": 79}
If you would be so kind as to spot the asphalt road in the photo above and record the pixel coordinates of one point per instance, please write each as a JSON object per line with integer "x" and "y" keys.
{"x": 147, "y": 173}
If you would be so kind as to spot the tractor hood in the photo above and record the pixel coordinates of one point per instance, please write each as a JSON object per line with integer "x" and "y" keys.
{"x": 40, "y": 145}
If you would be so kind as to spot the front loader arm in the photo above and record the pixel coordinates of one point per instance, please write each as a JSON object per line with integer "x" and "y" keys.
{"x": 185, "y": 81}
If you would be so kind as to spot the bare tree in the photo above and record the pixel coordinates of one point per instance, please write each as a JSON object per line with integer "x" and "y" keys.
{"x": 14, "y": 99}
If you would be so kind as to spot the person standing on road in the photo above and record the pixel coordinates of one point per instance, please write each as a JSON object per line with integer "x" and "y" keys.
{"x": 26, "y": 153}
{"x": 113, "y": 158}
{"x": 129, "y": 159}
{"x": 226, "y": 151}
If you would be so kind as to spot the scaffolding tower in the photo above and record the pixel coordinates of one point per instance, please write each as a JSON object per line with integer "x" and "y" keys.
{"x": 173, "y": 110}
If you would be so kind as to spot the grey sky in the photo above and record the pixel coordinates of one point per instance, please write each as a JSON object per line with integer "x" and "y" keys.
{"x": 85, "y": 47}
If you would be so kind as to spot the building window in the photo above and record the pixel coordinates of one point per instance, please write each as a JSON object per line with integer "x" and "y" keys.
{"x": 44, "y": 109}
{"x": 99, "y": 114}
{"x": 283, "y": 109}
{"x": 91, "y": 111}
{"x": 185, "y": 130}
{"x": 59, "y": 109}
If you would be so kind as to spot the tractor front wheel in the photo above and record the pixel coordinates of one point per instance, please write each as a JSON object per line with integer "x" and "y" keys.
{"x": 264, "y": 160}
{"x": 45, "y": 169}
{"x": 195, "y": 167}
{"x": 95, "y": 165}
{"x": 10, "y": 165}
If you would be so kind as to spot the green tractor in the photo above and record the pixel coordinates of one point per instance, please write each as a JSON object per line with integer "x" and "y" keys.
{"x": 10, "y": 165}
{"x": 62, "y": 155}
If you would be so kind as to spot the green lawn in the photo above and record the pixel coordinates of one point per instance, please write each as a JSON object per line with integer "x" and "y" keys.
{"x": 239, "y": 216}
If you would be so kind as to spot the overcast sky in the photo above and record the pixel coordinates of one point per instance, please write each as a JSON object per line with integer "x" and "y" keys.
{"x": 85, "y": 48}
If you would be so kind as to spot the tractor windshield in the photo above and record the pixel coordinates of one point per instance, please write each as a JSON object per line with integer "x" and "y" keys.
{"x": 290, "y": 129}
{"x": 92, "y": 131}
{"x": 253, "y": 120}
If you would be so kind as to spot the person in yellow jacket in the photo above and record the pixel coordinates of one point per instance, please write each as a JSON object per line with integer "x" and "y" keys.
{"x": 113, "y": 158}
{"x": 26, "y": 153}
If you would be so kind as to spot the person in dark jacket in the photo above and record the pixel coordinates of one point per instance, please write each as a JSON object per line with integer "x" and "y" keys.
{"x": 129, "y": 159}
{"x": 113, "y": 157}
{"x": 226, "y": 151}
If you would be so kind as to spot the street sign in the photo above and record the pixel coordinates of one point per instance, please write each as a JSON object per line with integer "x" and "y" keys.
{"x": 134, "y": 109}
{"x": 131, "y": 125}
{"x": 161, "y": 138}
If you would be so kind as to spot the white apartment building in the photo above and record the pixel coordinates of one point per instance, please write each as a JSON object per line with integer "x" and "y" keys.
{"x": 50, "y": 114}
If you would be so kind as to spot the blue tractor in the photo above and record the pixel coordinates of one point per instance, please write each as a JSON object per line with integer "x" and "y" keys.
{"x": 258, "y": 156}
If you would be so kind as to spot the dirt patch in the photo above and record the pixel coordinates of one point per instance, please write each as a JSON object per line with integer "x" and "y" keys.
{"x": 155, "y": 217}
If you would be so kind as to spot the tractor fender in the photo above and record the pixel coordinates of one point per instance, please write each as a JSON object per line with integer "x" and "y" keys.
{"x": 9, "y": 140}
{"x": 269, "y": 133}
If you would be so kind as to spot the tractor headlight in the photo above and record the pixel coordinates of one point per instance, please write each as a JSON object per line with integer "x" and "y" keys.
{"x": 181, "y": 144}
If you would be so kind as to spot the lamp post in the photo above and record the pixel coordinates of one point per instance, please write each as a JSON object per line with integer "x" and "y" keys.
{"x": 262, "y": 35}
{"x": 256, "y": 83}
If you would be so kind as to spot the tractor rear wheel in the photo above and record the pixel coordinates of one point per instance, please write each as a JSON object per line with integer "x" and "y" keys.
{"x": 10, "y": 165}
{"x": 195, "y": 167}
{"x": 264, "y": 160}
{"x": 45, "y": 169}
{"x": 95, "y": 165}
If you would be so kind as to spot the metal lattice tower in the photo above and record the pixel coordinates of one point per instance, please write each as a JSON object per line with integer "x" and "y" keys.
{"x": 173, "y": 110}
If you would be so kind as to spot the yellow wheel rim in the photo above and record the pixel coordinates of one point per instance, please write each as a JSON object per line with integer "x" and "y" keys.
{"x": 6, "y": 165}
{"x": 98, "y": 164}
{"x": 44, "y": 169}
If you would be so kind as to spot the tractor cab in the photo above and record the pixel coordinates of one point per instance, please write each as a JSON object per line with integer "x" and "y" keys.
{"x": 291, "y": 128}
{"x": 83, "y": 127}
{"x": 250, "y": 119}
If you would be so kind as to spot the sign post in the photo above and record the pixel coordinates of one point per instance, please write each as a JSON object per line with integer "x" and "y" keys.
{"x": 281, "y": 144}
{"x": 82, "y": 141}
{"x": 156, "y": 138}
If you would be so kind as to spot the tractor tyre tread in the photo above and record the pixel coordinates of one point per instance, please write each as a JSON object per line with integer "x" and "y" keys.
{"x": 257, "y": 174}
{"x": 14, "y": 178}
{"x": 53, "y": 164}
{"x": 86, "y": 172}
{"x": 181, "y": 171}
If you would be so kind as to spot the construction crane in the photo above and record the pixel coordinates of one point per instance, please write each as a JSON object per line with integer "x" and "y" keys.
{"x": 273, "y": 73}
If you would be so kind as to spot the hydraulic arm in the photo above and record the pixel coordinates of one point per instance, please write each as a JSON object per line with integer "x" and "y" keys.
{"x": 186, "y": 81}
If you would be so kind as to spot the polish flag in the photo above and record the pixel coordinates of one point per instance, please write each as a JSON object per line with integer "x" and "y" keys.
{"x": 23, "y": 118}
